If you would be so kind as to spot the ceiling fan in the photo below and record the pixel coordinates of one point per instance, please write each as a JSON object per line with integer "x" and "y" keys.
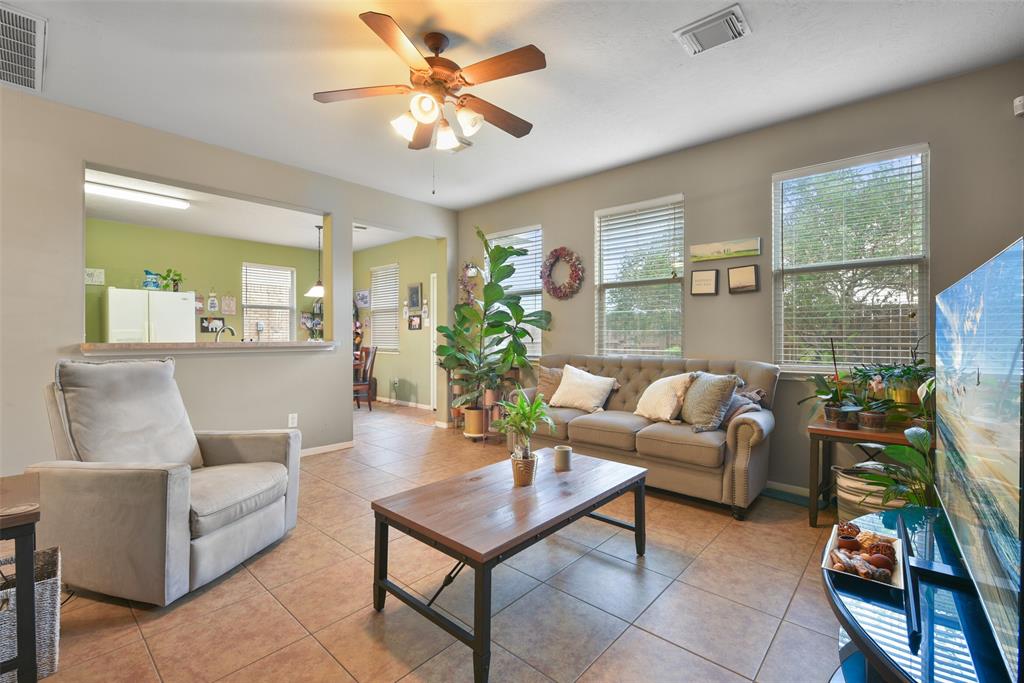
{"x": 436, "y": 81}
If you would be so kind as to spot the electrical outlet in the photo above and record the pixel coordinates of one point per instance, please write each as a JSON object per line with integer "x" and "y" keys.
{"x": 293, "y": 419}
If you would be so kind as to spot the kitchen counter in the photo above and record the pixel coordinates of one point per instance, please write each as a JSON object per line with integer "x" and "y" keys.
{"x": 163, "y": 348}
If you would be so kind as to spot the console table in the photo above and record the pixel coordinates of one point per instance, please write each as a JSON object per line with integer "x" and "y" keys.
{"x": 823, "y": 439}
{"x": 956, "y": 641}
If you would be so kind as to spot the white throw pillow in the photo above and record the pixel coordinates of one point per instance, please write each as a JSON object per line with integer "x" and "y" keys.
{"x": 581, "y": 390}
{"x": 662, "y": 400}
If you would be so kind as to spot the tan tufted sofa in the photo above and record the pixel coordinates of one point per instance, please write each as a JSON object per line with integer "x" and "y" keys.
{"x": 729, "y": 467}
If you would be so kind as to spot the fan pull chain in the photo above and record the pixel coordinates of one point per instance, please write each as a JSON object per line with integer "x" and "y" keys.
{"x": 433, "y": 175}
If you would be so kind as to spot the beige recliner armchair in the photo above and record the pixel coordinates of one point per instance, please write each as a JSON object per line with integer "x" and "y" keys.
{"x": 142, "y": 506}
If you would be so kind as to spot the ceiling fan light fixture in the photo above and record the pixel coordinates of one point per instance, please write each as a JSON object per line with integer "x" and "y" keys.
{"x": 424, "y": 108}
{"x": 469, "y": 120}
{"x": 404, "y": 125}
{"x": 446, "y": 138}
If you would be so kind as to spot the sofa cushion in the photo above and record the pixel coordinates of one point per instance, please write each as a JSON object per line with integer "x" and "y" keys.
{"x": 126, "y": 411}
{"x": 680, "y": 443}
{"x": 561, "y": 417}
{"x": 226, "y": 493}
{"x": 582, "y": 390}
{"x": 608, "y": 428}
{"x": 662, "y": 400}
{"x": 548, "y": 380}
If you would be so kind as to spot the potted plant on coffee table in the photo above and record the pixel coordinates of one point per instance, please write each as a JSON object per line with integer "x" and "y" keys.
{"x": 522, "y": 417}
{"x": 487, "y": 338}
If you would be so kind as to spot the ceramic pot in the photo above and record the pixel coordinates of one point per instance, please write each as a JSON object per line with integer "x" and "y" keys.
{"x": 903, "y": 393}
{"x": 474, "y": 422}
{"x": 490, "y": 397}
{"x": 524, "y": 470}
{"x": 872, "y": 421}
{"x": 842, "y": 419}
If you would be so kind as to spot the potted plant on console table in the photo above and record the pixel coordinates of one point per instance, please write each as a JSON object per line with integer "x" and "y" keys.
{"x": 486, "y": 340}
{"x": 522, "y": 417}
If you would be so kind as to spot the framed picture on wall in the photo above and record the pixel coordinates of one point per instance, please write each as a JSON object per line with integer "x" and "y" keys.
{"x": 415, "y": 322}
{"x": 704, "y": 282}
{"x": 211, "y": 324}
{"x": 362, "y": 298}
{"x": 416, "y": 295}
{"x": 744, "y": 279}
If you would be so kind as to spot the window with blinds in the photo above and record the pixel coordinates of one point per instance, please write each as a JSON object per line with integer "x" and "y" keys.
{"x": 526, "y": 280}
{"x": 384, "y": 307}
{"x": 850, "y": 260}
{"x": 268, "y": 297}
{"x": 640, "y": 278}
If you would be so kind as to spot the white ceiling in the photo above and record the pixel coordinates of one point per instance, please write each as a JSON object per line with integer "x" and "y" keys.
{"x": 618, "y": 87}
{"x": 209, "y": 214}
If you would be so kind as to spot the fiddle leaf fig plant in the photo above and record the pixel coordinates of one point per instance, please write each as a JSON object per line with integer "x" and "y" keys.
{"x": 488, "y": 336}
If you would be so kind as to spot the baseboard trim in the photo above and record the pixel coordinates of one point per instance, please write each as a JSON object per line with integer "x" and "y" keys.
{"x": 787, "y": 488}
{"x": 327, "y": 448}
{"x": 408, "y": 404}
{"x": 444, "y": 425}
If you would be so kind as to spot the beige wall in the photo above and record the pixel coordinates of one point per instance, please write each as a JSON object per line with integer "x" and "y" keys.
{"x": 977, "y": 205}
{"x": 43, "y": 149}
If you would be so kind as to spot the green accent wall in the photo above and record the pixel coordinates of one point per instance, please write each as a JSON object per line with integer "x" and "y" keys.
{"x": 208, "y": 263}
{"x": 417, "y": 258}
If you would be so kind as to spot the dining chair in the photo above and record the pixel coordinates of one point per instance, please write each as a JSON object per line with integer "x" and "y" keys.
{"x": 366, "y": 385}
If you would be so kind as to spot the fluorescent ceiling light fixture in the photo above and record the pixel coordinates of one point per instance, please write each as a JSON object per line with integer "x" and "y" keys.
{"x": 135, "y": 195}
{"x": 404, "y": 125}
{"x": 446, "y": 138}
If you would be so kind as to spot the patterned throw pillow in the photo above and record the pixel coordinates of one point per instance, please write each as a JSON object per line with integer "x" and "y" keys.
{"x": 708, "y": 399}
{"x": 663, "y": 398}
{"x": 548, "y": 380}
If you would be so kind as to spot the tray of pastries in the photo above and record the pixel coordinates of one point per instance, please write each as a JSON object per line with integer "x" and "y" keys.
{"x": 864, "y": 554}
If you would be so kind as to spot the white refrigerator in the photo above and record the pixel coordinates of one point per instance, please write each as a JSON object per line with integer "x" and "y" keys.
{"x": 146, "y": 315}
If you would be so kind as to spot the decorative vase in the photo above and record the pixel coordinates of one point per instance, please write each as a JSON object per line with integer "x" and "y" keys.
{"x": 871, "y": 421}
{"x": 524, "y": 464}
{"x": 839, "y": 418}
{"x": 474, "y": 426}
{"x": 903, "y": 393}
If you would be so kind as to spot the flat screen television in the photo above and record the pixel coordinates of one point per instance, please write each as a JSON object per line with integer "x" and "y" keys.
{"x": 979, "y": 329}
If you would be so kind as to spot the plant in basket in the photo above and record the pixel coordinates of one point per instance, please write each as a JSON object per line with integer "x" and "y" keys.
{"x": 911, "y": 476}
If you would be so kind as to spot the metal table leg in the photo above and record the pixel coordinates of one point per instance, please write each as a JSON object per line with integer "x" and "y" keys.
{"x": 24, "y": 564}
{"x": 639, "y": 518}
{"x": 482, "y": 625}
{"x": 380, "y": 563}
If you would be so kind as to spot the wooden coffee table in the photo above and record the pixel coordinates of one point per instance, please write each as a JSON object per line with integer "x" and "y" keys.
{"x": 480, "y": 519}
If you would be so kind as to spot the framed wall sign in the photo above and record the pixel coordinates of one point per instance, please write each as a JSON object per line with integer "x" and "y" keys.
{"x": 713, "y": 251}
{"x": 743, "y": 279}
{"x": 416, "y": 295}
{"x": 415, "y": 322}
{"x": 362, "y": 298}
{"x": 704, "y": 282}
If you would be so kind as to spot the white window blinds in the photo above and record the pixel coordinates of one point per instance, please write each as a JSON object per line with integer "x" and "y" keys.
{"x": 268, "y": 297}
{"x": 384, "y": 307}
{"x": 526, "y": 280}
{"x": 640, "y": 278}
{"x": 850, "y": 260}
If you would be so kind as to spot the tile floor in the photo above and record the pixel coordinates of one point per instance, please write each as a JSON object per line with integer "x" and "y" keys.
{"x": 713, "y": 600}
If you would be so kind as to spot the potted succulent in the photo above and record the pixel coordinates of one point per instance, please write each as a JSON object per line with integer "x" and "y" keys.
{"x": 522, "y": 418}
{"x": 486, "y": 339}
{"x": 170, "y": 280}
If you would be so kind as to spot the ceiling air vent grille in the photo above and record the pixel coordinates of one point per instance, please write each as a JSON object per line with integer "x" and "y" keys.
{"x": 717, "y": 29}
{"x": 22, "y": 40}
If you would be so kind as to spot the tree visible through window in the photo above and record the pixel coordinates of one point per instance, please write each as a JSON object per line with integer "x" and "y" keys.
{"x": 526, "y": 280}
{"x": 850, "y": 259}
{"x": 640, "y": 278}
{"x": 268, "y": 302}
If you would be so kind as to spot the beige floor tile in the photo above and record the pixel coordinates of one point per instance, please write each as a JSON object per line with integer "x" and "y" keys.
{"x": 128, "y": 664}
{"x": 750, "y": 583}
{"x": 798, "y": 654}
{"x": 224, "y": 641}
{"x": 357, "y": 534}
{"x": 236, "y": 585}
{"x": 638, "y": 655}
{"x": 455, "y": 665}
{"x": 328, "y": 512}
{"x": 812, "y": 570}
{"x": 383, "y": 646}
{"x": 787, "y": 553}
{"x": 321, "y": 458}
{"x": 555, "y": 633}
{"x": 312, "y": 488}
{"x": 370, "y": 476}
{"x": 789, "y": 521}
{"x": 305, "y": 661}
{"x": 294, "y": 557}
{"x": 375, "y": 455}
{"x": 614, "y": 585}
{"x": 332, "y": 468}
{"x": 725, "y": 632}
{"x": 810, "y": 609}
{"x": 507, "y": 585}
{"x": 329, "y": 594}
{"x": 590, "y": 532}
{"x": 664, "y": 553}
{"x": 96, "y": 629}
{"x": 385, "y": 489}
{"x": 545, "y": 559}
{"x": 409, "y": 560}
{"x": 78, "y": 598}
{"x": 696, "y": 523}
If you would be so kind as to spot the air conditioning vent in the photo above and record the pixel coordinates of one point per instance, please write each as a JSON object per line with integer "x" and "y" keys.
{"x": 22, "y": 44}
{"x": 717, "y": 29}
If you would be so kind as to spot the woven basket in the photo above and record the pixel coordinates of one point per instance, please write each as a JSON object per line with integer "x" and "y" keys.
{"x": 47, "y": 593}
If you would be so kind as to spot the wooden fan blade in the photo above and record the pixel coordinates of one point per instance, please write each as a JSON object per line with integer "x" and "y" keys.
{"x": 390, "y": 32}
{"x": 496, "y": 116}
{"x": 356, "y": 93}
{"x": 518, "y": 61}
{"x": 421, "y": 137}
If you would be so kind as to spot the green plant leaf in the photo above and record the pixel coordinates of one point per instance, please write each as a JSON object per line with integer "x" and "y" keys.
{"x": 493, "y": 293}
{"x": 919, "y": 438}
{"x": 907, "y": 456}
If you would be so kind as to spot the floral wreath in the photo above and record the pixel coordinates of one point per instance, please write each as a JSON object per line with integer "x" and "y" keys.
{"x": 568, "y": 288}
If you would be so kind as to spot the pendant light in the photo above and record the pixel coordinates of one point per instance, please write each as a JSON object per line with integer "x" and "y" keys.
{"x": 317, "y": 290}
